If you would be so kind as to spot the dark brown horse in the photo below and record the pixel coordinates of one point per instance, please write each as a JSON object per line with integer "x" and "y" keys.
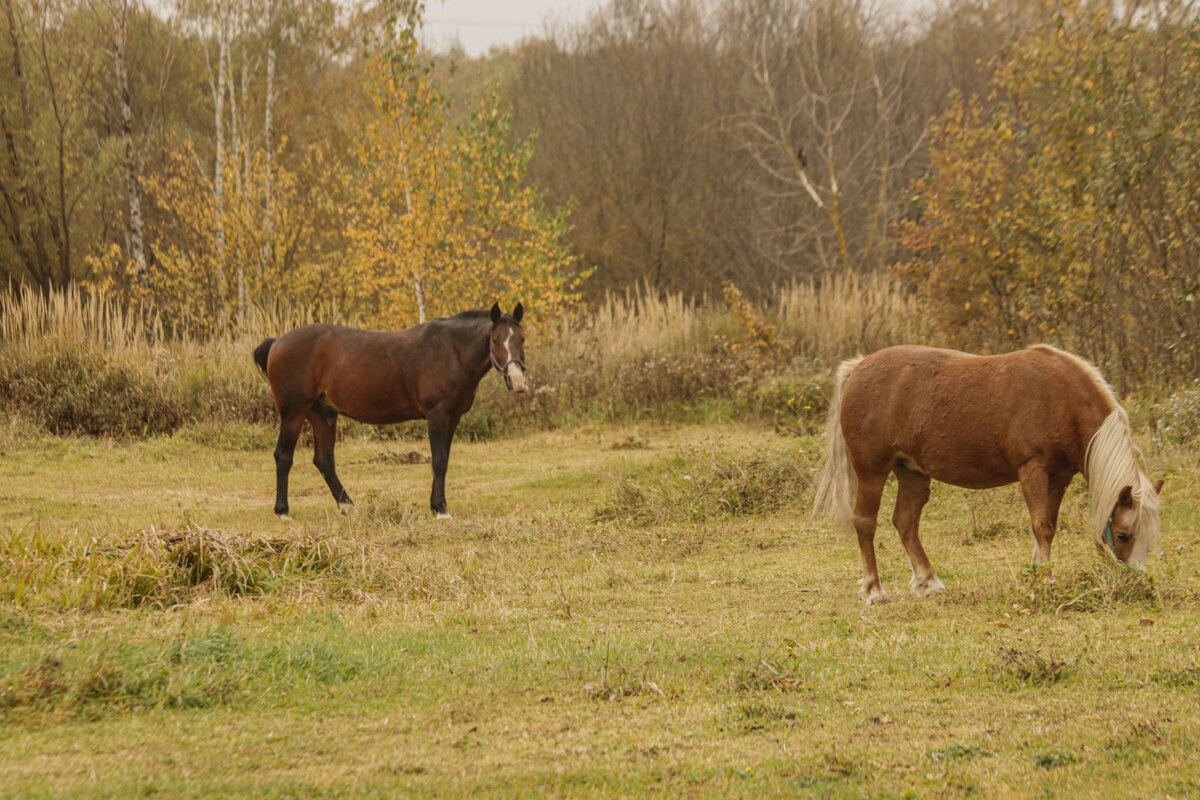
{"x": 1035, "y": 417}
{"x": 429, "y": 371}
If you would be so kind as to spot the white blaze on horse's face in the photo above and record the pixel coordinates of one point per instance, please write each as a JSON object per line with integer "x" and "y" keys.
{"x": 514, "y": 373}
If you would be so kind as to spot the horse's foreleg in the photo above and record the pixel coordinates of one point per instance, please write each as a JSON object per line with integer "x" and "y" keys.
{"x": 324, "y": 425}
{"x": 866, "y": 515}
{"x": 441, "y": 431}
{"x": 911, "y": 496}
{"x": 289, "y": 434}
{"x": 1043, "y": 497}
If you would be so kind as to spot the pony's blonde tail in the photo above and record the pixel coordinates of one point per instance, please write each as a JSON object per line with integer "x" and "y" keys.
{"x": 838, "y": 486}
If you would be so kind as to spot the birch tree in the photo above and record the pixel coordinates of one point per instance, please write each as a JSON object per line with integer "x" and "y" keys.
{"x": 440, "y": 216}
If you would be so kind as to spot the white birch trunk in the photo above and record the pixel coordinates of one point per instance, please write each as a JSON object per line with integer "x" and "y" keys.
{"x": 268, "y": 254}
{"x": 137, "y": 239}
{"x": 418, "y": 285}
{"x": 219, "y": 170}
{"x": 238, "y": 149}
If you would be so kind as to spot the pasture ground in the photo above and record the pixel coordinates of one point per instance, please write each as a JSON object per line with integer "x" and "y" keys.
{"x": 611, "y": 612}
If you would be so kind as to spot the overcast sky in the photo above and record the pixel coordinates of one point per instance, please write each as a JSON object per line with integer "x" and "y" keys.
{"x": 479, "y": 24}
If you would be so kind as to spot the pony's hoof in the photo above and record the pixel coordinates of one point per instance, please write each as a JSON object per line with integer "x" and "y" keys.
{"x": 349, "y": 509}
{"x": 443, "y": 515}
{"x": 285, "y": 517}
{"x": 928, "y": 587}
{"x": 872, "y": 595}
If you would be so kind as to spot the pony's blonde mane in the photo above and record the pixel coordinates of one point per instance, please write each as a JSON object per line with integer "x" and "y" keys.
{"x": 1111, "y": 464}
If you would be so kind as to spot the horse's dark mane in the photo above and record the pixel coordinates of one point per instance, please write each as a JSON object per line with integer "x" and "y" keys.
{"x": 475, "y": 316}
{"x": 471, "y": 315}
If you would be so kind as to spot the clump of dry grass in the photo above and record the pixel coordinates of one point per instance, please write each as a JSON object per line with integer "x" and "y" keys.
{"x": 1101, "y": 583}
{"x": 1029, "y": 667}
{"x": 162, "y": 568}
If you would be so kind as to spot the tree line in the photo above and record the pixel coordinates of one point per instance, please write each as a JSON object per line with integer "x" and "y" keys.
{"x": 1021, "y": 164}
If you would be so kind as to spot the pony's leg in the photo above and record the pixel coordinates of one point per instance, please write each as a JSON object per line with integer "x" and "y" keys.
{"x": 289, "y": 434}
{"x": 1043, "y": 497}
{"x": 866, "y": 517}
{"x": 324, "y": 425}
{"x": 441, "y": 431}
{"x": 911, "y": 496}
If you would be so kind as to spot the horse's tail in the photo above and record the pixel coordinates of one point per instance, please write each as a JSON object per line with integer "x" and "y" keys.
{"x": 260, "y": 353}
{"x": 838, "y": 486}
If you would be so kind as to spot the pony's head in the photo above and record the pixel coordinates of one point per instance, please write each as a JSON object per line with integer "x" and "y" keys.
{"x": 1124, "y": 501}
{"x": 1133, "y": 525}
{"x": 506, "y": 345}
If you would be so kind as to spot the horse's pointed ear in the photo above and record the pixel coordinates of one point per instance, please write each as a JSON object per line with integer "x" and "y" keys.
{"x": 495, "y": 313}
{"x": 1125, "y": 498}
{"x": 1158, "y": 486}
{"x": 518, "y": 312}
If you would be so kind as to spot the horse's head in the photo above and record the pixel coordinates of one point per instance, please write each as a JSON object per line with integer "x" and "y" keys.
{"x": 506, "y": 346}
{"x": 1133, "y": 527}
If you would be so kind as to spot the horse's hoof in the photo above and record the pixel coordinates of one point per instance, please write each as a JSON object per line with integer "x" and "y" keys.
{"x": 285, "y": 517}
{"x": 928, "y": 587}
{"x": 873, "y": 593}
{"x": 443, "y": 515}
{"x": 349, "y": 509}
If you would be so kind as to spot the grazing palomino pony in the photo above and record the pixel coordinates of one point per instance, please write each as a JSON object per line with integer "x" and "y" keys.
{"x": 1037, "y": 417}
{"x": 429, "y": 371}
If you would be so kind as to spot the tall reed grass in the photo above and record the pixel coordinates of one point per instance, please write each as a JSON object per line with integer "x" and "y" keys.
{"x": 77, "y": 362}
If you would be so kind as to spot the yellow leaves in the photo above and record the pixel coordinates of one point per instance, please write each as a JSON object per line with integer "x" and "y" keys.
{"x": 441, "y": 220}
{"x": 1062, "y": 192}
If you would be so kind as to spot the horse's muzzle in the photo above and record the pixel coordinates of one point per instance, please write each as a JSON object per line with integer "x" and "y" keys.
{"x": 514, "y": 378}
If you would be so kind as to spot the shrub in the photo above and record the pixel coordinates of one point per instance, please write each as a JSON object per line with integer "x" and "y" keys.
{"x": 696, "y": 485}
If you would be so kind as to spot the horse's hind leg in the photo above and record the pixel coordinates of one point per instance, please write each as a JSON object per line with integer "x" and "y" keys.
{"x": 324, "y": 424}
{"x": 289, "y": 434}
{"x": 866, "y": 516}
{"x": 911, "y": 495}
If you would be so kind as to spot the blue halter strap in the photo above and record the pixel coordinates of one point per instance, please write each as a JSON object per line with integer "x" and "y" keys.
{"x": 1108, "y": 537}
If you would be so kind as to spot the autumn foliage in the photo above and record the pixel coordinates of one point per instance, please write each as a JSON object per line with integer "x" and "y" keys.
{"x": 441, "y": 217}
{"x": 1062, "y": 206}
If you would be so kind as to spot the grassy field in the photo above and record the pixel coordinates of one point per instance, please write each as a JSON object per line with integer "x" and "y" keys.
{"x": 612, "y": 612}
